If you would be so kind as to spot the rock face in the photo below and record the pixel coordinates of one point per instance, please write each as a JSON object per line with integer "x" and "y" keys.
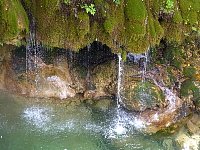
{"x": 44, "y": 81}
{"x": 61, "y": 74}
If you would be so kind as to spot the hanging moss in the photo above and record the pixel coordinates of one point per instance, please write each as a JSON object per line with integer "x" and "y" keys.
{"x": 155, "y": 30}
{"x": 177, "y": 18}
{"x": 135, "y": 27}
{"x": 84, "y": 24}
{"x": 13, "y": 21}
{"x": 134, "y": 24}
{"x": 189, "y": 11}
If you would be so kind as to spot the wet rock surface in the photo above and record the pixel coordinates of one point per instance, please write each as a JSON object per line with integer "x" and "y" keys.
{"x": 143, "y": 95}
{"x": 162, "y": 89}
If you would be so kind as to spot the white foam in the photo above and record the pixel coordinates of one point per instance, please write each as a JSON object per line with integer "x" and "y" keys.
{"x": 37, "y": 116}
{"x": 138, "y": 123}
{"x": 192, "y": 143}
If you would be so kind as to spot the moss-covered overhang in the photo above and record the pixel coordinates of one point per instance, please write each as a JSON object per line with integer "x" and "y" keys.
{"x": 133, "y": 24}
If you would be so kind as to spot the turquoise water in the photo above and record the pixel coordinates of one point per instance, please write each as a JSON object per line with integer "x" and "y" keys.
{"x": 36, "y": 124}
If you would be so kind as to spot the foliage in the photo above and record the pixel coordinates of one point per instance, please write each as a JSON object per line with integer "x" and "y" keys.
{"x": 66, "y": 1}
{"x": 124, "y": 55}
{"x": 117, "y": 2}
{"x": 169, "y": 6}
{"x": 89, "y": 8}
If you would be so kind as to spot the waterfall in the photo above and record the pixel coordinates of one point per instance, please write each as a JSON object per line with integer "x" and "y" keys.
{"x": 88, "y": 62}
{"x": 145, "y": 63}
{"x": 33, "y": 58}
{"x": 119, "y": 125}
{"x": 142, "y": 61}
{"x": 119, "y": 81}
{"x": 88, "y": 67}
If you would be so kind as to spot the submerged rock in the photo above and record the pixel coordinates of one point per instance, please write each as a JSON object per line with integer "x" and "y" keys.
{"x": 187, "y": 141}
{"x": 102, "y": 104}
{"x": 193, "y": 124}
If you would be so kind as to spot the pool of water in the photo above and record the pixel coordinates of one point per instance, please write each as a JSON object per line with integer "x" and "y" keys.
{"x": 36, "y": 124}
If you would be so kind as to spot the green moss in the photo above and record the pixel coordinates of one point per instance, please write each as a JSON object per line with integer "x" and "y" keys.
{"x": 133, "y": 24}
{"x": 155, "y": 30}
{"x": 113, "y": 21}
{"x": 110, "y": 24}
{"x": 13, "y": 20}
{"x": 177, "y": 18}
{"x": 174, "y": 55}
{"x": 171, "y": 32}
{"x": 189, "y": 88}
{"x": 84, "y": 24}
{"x": 189, "y": 11}
{"x": 124, "y": 55}
{"x": 135, "y": 27}
{"x": 152, "y": 30}
{"x": 59, "y": 28}
{"x": 189, "y": 72}
{"x": 135, "y": 10}
{"x": 143, "y": 95}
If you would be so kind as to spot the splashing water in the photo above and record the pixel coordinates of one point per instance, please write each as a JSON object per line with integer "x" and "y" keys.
{"x": 169, "y": 95}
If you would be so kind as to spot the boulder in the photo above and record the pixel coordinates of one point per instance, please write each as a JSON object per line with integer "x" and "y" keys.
{"x": 139, "y": 96}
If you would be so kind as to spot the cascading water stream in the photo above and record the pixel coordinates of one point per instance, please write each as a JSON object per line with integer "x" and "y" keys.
{"x": 119, "y": 81}
{"x": 119, "y": 126}
{"x": 32, "y": 58}
{"x": 145, "y": 63}
{"x": 88, "y": 67}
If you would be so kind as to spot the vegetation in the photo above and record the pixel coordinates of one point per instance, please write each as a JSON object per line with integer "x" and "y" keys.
{"x": 89, "y": 8}
{"x": 117, "y": 2}
{"x": 133, "y": 23}
{"x": 66, "y": 1}
{"x": 169, "y": 6}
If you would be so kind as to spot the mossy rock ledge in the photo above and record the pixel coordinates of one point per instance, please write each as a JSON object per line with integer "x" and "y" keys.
{"x": 133, "y": 24}
{"x": 143, "y": 95}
